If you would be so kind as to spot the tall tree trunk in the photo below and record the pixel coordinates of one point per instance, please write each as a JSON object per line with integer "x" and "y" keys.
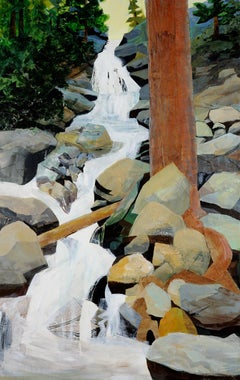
{"x": 21, "y": 22}
{"x": 172, "y": 129}
{"x": 12, "y": 25}
{"x": 216, "y": 28}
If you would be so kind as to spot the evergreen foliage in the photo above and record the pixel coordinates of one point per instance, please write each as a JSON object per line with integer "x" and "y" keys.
{"x": 218, "y": 10}
{"x": 40, "y": 43}
{"x": 136, "y": 15}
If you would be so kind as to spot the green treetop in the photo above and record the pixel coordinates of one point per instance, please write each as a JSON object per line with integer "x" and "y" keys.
{"x": 136, "y": 15}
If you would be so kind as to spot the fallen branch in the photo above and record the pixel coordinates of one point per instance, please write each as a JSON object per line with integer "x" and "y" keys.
{"x": 74, "y": 225}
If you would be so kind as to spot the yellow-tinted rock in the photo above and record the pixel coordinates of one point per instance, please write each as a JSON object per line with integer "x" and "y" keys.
{"x": 168, "y": 261}
{"x": 193, "y": 248}
{"x": 69, "y": 138}
{"x": 130, "y": 269}
{"x": 176, "y": 320}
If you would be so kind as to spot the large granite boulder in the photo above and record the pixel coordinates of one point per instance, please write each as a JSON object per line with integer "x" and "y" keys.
{"x": 116, "y": 181}
{"x": 20, "y": 254}
{"x": 20, "y": 152}
{"x": 169, "y": 187}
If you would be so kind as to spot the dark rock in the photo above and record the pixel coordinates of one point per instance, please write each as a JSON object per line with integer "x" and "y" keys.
{"x": 145, "y": 92}
{"x": 5, "y": 333}
{"x": 20, "y": 152}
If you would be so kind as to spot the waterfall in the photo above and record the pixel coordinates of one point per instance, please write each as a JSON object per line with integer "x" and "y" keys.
{"x": 77, "y": 263}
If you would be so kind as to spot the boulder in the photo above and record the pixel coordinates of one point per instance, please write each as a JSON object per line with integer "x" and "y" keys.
{"x": 224, "y": 115}
{"x": 115, "y": 182}
{"x": 192, "y": 357}
{"x": 140, "y": 244}
{"x": 212, "y": 306}
{"x": 167, "y": 260}
{"x": 169, "y": 187}
{"x": 77, "y": 102}
{"x": 193, "y": 248}
{"x": 156, "y": 219}
{"x": 221, "y": 193}
{"x": 89, "y": 138}
{"x": 219, "y": 146}
{"x": 20, "y": 254}
{"x": 20, "y": 152}
{"x": 31, "y": 211}
{"x": 235, "y": 128}
{"x": 176, "y": 320}
{"x": 129, "y": 270}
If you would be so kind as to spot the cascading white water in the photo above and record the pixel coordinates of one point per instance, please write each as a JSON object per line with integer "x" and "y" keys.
{"x": 77, "y": 263}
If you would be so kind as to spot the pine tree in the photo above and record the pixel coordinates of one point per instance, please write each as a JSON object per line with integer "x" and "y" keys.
{"x": 136, "y": 15}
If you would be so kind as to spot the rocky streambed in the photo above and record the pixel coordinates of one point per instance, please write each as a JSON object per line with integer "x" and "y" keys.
{"x": 176, "y": 278}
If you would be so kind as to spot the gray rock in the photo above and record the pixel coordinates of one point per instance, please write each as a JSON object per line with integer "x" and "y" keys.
{"x": 33, "y": 212}
{"x": 192, "y": 354}
{"x": 220, "y": 146}
{"x": 20, "y": 152}
{"x": 77, "y": 102}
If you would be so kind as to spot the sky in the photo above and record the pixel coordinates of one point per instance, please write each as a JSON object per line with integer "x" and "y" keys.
{"x": 118, "y": 11}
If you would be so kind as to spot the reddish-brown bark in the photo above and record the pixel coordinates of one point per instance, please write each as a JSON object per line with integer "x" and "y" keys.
{"x": 172, "y": 130}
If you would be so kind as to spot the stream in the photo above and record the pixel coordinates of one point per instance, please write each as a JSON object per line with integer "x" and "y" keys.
{"x": 36, "y": 352}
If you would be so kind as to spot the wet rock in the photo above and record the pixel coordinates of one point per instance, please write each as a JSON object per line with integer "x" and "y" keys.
{"x": 63, "y": 155}
{"x": 130, "y": 316}
{"x": 193, "y": 248}
{"x": 129, "y": 270}
{"x": 33, "y": 212}
{"x": 112, "y": 186}
{"x": 65, "y": 194}
{"x": 228, "y": 226}
{"x": 197, "y": 356}
{"x": 74, "y": 320}
{"x": 219, "y": 146}
{"x": 168, "y": 187}
{"x": 156, "y": 219}
{"x": 20, "y": 152}
{"x": 144, "y": 92}
{"x": 94, "y": 137}
{"x": 77, "y": 102}
{"x": 5, "y": 333}
{"x": 20, "y": 254}
{"x": 176, "y": 320}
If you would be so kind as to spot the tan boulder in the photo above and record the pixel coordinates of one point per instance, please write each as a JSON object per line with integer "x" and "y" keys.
{"x": 116, "y": 181}
{"x": 169, "y": 187}
{"x": 224, "y": 114}
{"x": 193, "y": 248}
{"x": 176, "y": 320}
{"x": 20, "y": 253}
{"x": 156, "y": 219}
{"x": 168, "y": 261}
